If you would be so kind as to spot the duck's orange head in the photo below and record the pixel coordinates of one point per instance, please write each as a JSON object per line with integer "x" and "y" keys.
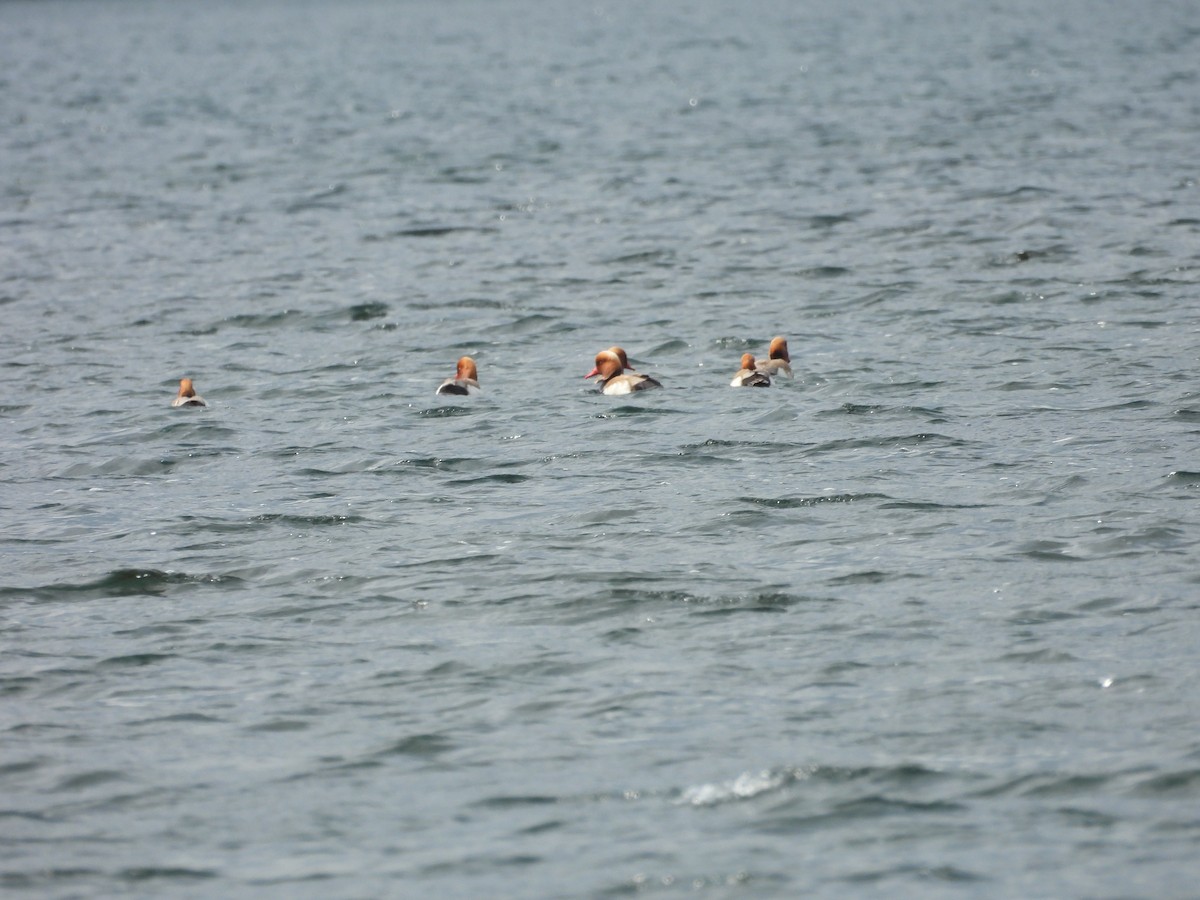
{"x": 608, "y": 364}
{"x": 466, "y": 369}
{"x": 621, "y": 355}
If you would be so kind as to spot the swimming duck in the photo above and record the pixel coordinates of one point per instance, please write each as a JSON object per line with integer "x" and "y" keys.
{"x": 778, "y": 361}
{"x": 187, "y": 395}
{"x": 464, "y": 381}
{"x": 748, "y": 375}
{"x": 613, "y": 381}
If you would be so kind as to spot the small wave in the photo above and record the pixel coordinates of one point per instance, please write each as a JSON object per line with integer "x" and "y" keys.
{"x": 802, "y": 502}
{"x": 1048, "y": 551}
{"x": 646, "y": 257}
{"x": 194, "y": 424}
{"x": 171, "y": 873}
{"x": 464, "y": 303}
{"x": 319, "y": 200}
{"x": 732, "y": 344}
{"x": 709, "y": 604}
{"x": 516, "y": 801}
{"x": 1185, "y": 783}
{"x": 119, "y": 583}
{"x": 916, "y": 871}
{"x": 1035, "y": 784}
{"x": 929, "y": 505}
{"x": 878, "y": 805}
{"x": 446, "y": 412}
{"x": 443, "y": 463}
{"x": 824, "y": 272}
{"x": 176, "y": 718}
{"x": 825, "y": 221}
{"x": 630, "y": 410}
{"x": 428, "y": 231}
{"x": 49, "y": 875}
{"x": 1040, "y": 656}
{"x": 530, "y": 323}
{"x": 1184, "y": 477}
{"x": 667, "y": 347}
{"x": 853, "y": 409}
{"x": 895, "y": 442}
{"x": 871, "y": 409}
{"x": 745, "y": 787}
{"x": 867, "y": 576}
{"x": 874, "y": 779}
{"x": 85, "y": 780}
{"x": 762, "y": 602}
{"x": 499, "y": 478}
{"x": 291, "y": 520}
{"x": 135, "y": 660}
{"x": 279, "y": 725}
{"x": 364, "y": 312}
{"x": 745, "y": 883}
{"x": 690, "y": 449}
{"x": 265, "y": 320}
{"x": 121, "y": 465}
{"x": 421, "y": 745}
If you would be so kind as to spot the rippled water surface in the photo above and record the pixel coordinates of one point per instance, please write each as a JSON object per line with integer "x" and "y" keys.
{"x": 921, "y": 621}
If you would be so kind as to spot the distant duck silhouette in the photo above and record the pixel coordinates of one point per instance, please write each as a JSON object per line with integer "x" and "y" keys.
{"x": 187, "y": 395}
{"x": 613, "y": 381}
{"x": 748, "y": 375}
{"x": 465, "y": 380}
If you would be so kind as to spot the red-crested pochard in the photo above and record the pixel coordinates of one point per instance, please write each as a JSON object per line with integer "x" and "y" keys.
{"x": 187, "y": 395}
{"x": 613, "y": 381}
{"x": 464, "y": 381}
{"x": 778, "y": 361}
{"x": 748, "y": 375}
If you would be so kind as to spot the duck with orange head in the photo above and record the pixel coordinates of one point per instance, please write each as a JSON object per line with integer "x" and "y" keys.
{"x": 465, "y": 380}
{"x": 187, "y": 395}
{"x": 749, "y": 375}
{"x": 610, "y": 367}
{"x": 778, "y": 362}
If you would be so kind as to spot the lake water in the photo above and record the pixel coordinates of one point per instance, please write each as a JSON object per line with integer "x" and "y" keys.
{"x": 922, "y": 621}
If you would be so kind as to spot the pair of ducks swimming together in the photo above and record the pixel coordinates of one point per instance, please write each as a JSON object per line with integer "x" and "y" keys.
{"x": 611, "y": 367}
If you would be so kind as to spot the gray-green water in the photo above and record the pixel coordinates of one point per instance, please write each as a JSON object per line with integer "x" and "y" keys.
{"x": 922, "y": 622}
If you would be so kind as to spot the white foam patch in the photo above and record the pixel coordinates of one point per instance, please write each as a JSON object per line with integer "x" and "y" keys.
{"x": 745, "y": 786}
